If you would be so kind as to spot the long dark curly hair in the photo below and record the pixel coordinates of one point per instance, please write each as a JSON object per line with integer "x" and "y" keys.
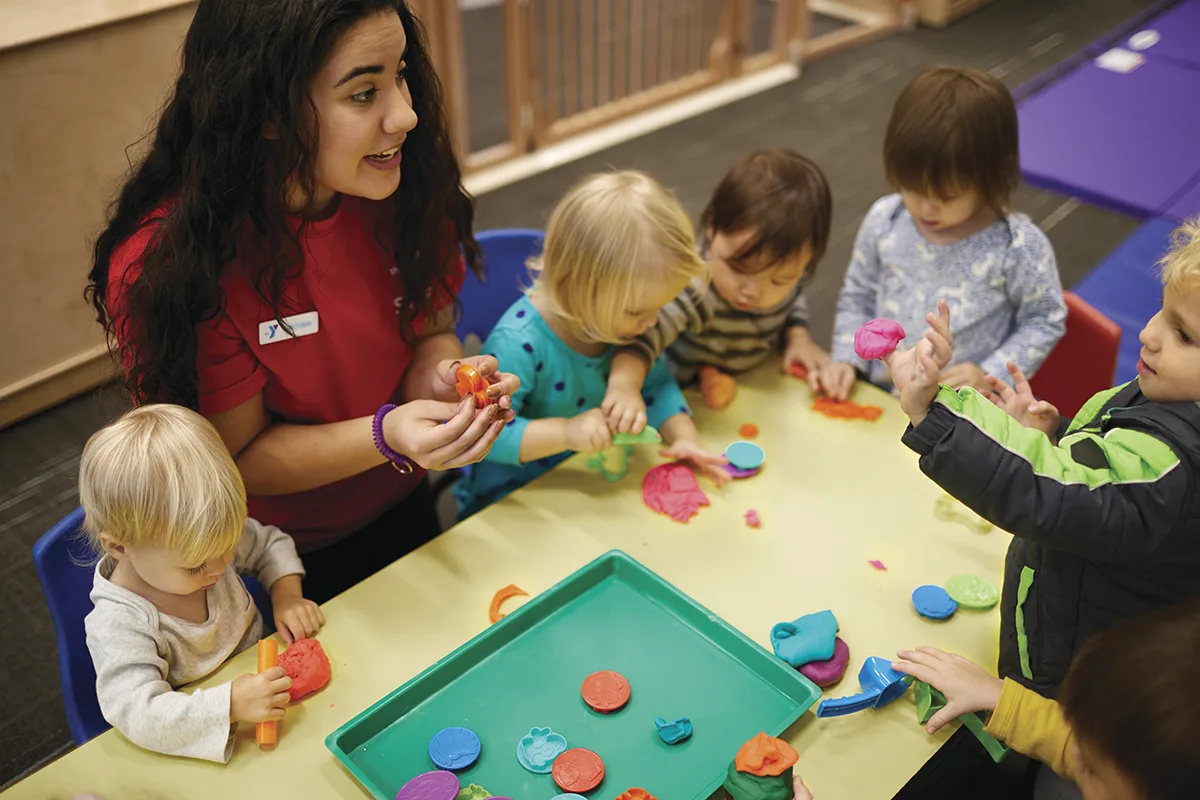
{"x": 248, "y": 64}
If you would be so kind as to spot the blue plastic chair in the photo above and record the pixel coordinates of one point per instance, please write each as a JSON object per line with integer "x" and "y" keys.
{"x": 65, "y": 565}
{"x": 505, "y": 251}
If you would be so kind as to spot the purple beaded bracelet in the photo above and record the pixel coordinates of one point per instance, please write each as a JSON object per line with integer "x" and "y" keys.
{"x": 403, "y": 464}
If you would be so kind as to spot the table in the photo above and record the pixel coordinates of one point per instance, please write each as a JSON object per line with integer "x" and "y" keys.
{"x": 832, "y": 495}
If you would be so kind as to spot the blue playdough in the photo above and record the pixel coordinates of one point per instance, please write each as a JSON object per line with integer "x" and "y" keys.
{"x": 675, "y": 731}
{"x": 569, "y": 797}
{"x": 454, "y": 748}
{"x": 537, "y": 750}
{"x": 880, "y": 685}
{"x": 933, "y": 602}
{"x": 810, "y": 638}
{"x": 745, "y": 455}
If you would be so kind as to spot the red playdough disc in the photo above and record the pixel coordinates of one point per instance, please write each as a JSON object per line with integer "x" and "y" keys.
{"x": 578, "y": 770}
{"x": 605, "y": 691}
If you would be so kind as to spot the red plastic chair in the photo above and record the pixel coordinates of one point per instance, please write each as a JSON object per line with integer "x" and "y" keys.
{"x": 1083, "y": 363}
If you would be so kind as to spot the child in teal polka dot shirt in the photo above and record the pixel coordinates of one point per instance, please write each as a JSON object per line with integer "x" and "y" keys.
{"x": 618, "y": 248}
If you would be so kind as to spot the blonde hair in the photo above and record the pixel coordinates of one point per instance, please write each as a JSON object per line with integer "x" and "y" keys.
{"x": 160, "y": 476}
{"x": 610, "y": 237}
{"x": 1181, "y": 265}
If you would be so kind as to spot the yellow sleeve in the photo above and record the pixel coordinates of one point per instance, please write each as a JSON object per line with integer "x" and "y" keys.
{"x": 1033, "y": 725}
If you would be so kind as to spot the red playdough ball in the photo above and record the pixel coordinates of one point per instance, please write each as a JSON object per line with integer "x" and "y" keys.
{"x": 307, "y": 665}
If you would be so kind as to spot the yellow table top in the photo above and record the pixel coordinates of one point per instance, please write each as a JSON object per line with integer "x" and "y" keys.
{"x": 832, "y": 495}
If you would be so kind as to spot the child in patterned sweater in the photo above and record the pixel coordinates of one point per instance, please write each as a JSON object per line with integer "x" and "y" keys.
{"x": 951, "y": 151}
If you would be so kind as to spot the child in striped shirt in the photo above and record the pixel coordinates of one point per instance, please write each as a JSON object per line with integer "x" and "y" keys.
{"x": 764, "y": 230}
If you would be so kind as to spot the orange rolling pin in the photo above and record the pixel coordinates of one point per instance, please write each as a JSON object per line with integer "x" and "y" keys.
{"x": 266, "y": 733}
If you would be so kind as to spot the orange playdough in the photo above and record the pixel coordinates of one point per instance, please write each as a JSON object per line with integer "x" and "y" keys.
{"x": 307, "y": 665}
{"x": 748, "y": 431}
{"x": 717, "y": 388}
{"x": 765, "y": 756}
{"x": 844, "y": 409}
{"x": 636, "y": 794}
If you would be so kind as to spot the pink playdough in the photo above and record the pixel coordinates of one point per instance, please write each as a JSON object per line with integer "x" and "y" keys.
{"x": 671, "y": 489}
{"x": 877, "y": 564}
{"x": 307, "y": 665}
{"x": 827, "y": 673}
{"x": 877, "y": 338}
{"x": 752, "y": 519}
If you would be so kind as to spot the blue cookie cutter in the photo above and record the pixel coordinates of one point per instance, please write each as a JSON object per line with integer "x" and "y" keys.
{"x": 537, "y": 750}
{"x": 675, "y": 731}
{"x": 933, "y": 602}
{"x": 880, "y": 685}
{"x": 810, "y": 638}
{"x": 454, "y": 748}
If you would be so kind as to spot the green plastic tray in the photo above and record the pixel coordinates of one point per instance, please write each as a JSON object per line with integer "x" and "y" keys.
{"x": 526, "y": 671}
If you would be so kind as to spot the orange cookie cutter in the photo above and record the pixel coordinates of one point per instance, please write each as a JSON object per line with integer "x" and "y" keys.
{"x": 844, "y": 409}
{"x": 506, "y": 593}
{"x": 636, "y": 794}
{"x": 470, "y": 382}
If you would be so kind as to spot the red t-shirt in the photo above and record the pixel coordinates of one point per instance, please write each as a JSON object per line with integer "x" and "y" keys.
{"x": 346, "y": 360}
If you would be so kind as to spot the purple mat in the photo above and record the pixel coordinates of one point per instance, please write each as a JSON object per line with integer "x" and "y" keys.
{"x": 1179, "y": 35}
{"x": 1123, "y": 141}
{"x": 1188, "y": 204}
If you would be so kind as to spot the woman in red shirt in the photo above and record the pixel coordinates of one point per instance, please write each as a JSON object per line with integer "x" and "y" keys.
{"x": 273, "y": 265}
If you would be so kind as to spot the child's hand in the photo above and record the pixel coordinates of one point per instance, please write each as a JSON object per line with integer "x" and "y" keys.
{"x": 625, "y": 411}
{"x": 958, "y": 376}
{"x": 799, "y": 790}
{"x": 588, "y": 432}
{"x": 835, "y": 379}
{"x": 801, "y": 349}
{"x": 261, "y": 697}
{"x": 699, "y": 459}
{"x": 916, "y": 372}
{"x": 967, "y": 687}
{"x": 1020, "y": 404}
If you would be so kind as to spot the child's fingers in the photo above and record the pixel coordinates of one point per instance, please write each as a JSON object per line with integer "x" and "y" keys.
{"x": 1019, "y": 380}
{"x": 276, "y": 713}
{"x": 940, "y": 719}
{"x": 799, "y": 790}
{"x": 281, "y": 699}
{"x": 285, "y": 632}
{"x": 274, "y": 674}
{"x": 281, "y": 684}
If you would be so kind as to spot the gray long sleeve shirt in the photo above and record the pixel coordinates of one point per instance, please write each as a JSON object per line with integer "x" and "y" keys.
{"x": 142, "y": 655}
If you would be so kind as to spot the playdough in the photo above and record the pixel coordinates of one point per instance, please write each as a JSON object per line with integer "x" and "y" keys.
{"x": 648, "y": 435}
{"x": 877, "y": 564}
{"x": 430, "y": 786}
{"x": 578, "y": 770}
{"x": 675, "y": 731}
{"x": 537, "y": 749}
{"x": 454, "y": 748}
{"x": 605, "y": 691}
{"x": 752, "y": 519}
{"x": 636, "y": 794}
{"x": 468, "y": 381}
{"x": 671, "y": 489}
{"x": 716, "y": 388}
{"x": 762, "y": 770}
{"x": 844, "y": 409}
{"x": 933, "y": 602}
{"x": 748, "y": 431}
{"x": 809, "y": 638}
{"x": 507, "y": 592}
{"x": 307, "y": 665}
{"x": 474, "y": 792}
{"x": 734, "y": 472}
{"x": 569, "y": 797}
{"x": 828, "y": 672}
{"x": 798, "y": 370}
{"x": 972, "y": 591}
{"x": 877, "y": 338}
{"x": 745, "y": 455}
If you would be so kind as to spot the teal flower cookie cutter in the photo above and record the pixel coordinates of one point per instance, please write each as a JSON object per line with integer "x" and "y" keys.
{"x": 537, "y": 750}
{"x": 612, "y": 463}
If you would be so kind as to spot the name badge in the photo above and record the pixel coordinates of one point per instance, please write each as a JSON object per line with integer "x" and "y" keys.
{"x": 305, "y": 324}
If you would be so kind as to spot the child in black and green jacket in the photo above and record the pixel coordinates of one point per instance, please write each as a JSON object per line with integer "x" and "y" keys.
{"x": 1104, "y": 510}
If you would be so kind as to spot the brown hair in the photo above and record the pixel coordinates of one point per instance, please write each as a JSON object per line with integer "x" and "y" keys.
{"x": 954, "y": 129}
{"x": 1131, "y": 695}
{"x": 781, "y": 195}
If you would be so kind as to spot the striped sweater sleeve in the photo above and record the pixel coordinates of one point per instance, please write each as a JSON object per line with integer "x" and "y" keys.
{"x": 686, "y": 313}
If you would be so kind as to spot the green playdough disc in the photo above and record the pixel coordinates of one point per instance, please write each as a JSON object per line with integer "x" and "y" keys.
{"x": 972, "y": 591}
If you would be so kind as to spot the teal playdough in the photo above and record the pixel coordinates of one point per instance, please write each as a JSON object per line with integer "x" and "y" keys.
{"x": 810, "y": 638}
{"x": 675, "y": 731}
{"x": 537, "y": 750}
{"x": 745, "y": 455}
{"x": 744, "y": 786}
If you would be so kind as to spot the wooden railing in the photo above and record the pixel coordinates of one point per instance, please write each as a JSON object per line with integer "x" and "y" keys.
{"x": 571, "y": 66}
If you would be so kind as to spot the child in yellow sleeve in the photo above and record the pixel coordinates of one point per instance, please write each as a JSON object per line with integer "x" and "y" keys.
{"x": 1122, "y": 727}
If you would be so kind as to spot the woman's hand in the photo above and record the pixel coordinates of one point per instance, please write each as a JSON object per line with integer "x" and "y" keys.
{"x": 967, "y": 687}
{"x": 501, "y": 385}
{"x": 444, "y": 436}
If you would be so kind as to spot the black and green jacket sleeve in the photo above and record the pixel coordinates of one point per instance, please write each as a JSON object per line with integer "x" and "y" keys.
{"x": 1103, "y": 494}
